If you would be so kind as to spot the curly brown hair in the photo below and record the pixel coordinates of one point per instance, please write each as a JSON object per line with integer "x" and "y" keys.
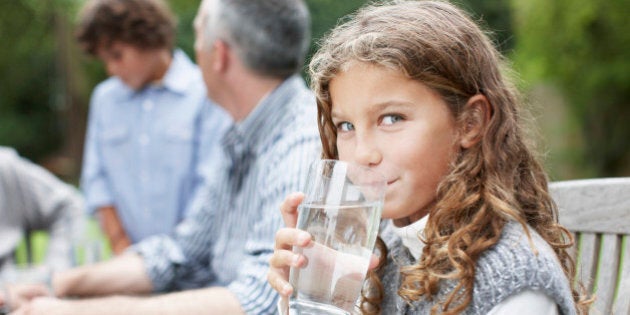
{"x": 145, "y": 24}
{"x": 496, "y": 180}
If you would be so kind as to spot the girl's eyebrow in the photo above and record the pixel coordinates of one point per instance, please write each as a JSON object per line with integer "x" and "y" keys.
{"x": 380, "y": 107}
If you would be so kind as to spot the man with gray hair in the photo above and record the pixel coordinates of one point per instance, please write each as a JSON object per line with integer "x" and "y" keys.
{"x": 249, "y": 53}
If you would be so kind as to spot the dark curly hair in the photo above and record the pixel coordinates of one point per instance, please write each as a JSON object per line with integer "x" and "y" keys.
{"x": 145, "y": 24}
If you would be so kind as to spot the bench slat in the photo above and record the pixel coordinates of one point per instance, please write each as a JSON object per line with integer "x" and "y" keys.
{"x": 589, "y": 250}
{"x": 573, "y": 250}
{"x": 622, "y": 302}
{"x": 607, "y": 277}
{"x": 598, "y": 205}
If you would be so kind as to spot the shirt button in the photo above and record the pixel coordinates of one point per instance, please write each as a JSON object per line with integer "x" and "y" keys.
{"x": 147, "y": 105}
{"x": 144, "y": 139}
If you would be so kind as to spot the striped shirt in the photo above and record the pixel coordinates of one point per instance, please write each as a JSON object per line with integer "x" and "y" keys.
{"x": 228, "y": 236}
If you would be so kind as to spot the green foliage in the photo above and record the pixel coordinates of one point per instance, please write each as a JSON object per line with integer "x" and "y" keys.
{"x": 495, "y": 17}
{"x": 584, "y": 48}
{"x": 325, "y": 15}
{"x": 186, "y": 11}
{"x": 27, "y": 92}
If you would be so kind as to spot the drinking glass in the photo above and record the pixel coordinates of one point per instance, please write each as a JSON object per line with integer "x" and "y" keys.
{"x": 341, "y": 210}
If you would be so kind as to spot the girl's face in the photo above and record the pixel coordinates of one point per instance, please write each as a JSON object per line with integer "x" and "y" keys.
{"x": 135, "y": 67}
{"x": 399, "y": 127}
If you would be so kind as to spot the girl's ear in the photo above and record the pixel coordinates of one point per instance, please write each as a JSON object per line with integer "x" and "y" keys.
{"x": 475, "y": 119}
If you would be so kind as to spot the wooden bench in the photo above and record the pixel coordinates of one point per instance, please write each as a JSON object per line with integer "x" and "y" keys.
{"x": 597, "y": 211}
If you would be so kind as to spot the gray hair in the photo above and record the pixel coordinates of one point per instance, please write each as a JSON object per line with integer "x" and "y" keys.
{"x": 270, "y": 37}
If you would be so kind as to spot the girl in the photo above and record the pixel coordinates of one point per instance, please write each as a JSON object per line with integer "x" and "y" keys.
{"x": 416, "y": 91}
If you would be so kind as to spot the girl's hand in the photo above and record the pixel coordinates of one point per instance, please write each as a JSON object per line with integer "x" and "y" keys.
{"x": 283, "y": 257}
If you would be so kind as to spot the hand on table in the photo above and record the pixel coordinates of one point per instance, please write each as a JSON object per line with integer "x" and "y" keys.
{"x": 44, "y": 306}
{"x": 21, "y": 294}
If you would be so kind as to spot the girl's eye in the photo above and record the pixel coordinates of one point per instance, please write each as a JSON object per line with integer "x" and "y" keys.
{"x": 345, "y": 126}
{"x": 391, "y": 119}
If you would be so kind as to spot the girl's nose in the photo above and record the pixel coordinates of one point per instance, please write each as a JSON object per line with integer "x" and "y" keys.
{"x": 367, "y": 152}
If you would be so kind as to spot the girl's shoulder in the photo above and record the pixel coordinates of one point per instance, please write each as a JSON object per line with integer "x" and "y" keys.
{"x": 511, "y": 266}
{"x": 520, "y": 248}
{"x": 520, "y": 262}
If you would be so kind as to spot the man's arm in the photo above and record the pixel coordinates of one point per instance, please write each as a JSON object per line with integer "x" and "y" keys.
{"x": 124, "y": 274}
{"x": 215, "y": 300}
{"x": 211, "y": 301}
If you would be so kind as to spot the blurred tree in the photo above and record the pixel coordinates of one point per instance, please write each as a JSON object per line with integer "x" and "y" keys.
{"x": 583, "y": 47}
{"x": 324, "y": 16}
{"x": 186, "y": 11}
{"x": 495, "y": 16}
{"x": 26, "y": 73}
{"x": 39, "y": 100}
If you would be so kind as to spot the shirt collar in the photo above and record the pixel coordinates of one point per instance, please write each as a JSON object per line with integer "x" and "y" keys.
{"x": 261, "y": 121}
{"x": 410, "y": 236}
{"x": 180, "y": 75}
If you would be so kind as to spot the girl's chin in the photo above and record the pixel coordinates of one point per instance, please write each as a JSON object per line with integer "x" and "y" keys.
{"x": 390, "y": 212}
{"x": 400, "y": 214}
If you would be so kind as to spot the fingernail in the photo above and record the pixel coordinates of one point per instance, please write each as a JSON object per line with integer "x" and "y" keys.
{"x": 294, "y": 196}
{"x": 295, "y": 261}
{"x": 286, "y": 289}
{"x": 303, "y": 238}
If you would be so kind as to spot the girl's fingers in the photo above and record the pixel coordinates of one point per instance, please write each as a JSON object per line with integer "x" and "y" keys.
{"x": 279, "y": 283}
{"x": 278, "y": 274}
{"x": 286, "y": 238}
{"x": 288, "y": 208}
{"x": 373, "y": 262}
{"x": 285, "y": 258}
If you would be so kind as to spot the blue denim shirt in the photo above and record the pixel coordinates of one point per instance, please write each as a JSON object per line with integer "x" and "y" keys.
{"x": 145, "y": 149}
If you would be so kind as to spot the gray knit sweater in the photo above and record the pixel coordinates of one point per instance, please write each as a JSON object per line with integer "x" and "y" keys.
{"x": 506, "y": 269}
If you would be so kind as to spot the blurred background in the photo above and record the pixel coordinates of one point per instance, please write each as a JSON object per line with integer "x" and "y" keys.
{"x": 572, "y": 58}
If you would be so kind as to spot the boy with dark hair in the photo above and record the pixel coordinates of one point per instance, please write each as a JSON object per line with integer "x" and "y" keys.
{"x": 150, "y": 126}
